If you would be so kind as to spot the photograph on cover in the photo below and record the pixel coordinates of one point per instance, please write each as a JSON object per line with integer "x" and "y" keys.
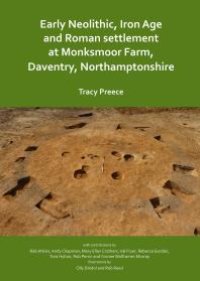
{"x": 100, "y": 171}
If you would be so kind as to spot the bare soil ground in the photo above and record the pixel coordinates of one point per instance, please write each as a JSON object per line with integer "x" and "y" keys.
{"x": 100, "y": 171}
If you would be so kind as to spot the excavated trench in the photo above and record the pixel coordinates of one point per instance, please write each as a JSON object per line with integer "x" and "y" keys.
{"x": 99, "y": 172}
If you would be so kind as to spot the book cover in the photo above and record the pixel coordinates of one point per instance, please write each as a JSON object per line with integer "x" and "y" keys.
{"x": 99, "y": 140}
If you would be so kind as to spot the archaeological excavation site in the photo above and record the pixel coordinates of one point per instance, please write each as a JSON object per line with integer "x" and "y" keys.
{"x": 100, "y": 172}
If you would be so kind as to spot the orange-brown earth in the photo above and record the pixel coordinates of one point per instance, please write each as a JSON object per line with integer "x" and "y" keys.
{"x": 99, "y": 172}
